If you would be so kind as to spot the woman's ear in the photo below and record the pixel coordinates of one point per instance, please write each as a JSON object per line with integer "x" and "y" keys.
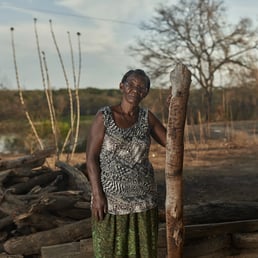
{"x": 121, "y": 86}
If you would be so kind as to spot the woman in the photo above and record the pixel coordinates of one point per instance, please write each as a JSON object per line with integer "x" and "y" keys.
{"x": 124, "y": 196}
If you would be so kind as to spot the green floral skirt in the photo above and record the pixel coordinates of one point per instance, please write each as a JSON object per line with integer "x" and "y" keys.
{"x": 120, "y": 236}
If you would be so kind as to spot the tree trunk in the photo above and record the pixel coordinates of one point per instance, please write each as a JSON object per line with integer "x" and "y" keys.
{"x": 22, "y": 207}
{"x": 30, "y": 161}
{"x": 216, "y": 212}
{"x": 32, "y": 244}
{"x": 180, "y": 79}
{"x": 40, "y": 180}
{"x": 77, "y": 179}
{"x": 8, "y": 220}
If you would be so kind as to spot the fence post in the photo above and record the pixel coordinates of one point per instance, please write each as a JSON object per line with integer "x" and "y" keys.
{"x": 180, "y": 79}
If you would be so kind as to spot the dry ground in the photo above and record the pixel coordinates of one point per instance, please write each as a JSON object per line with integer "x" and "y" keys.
{"x": 214, "y": 172}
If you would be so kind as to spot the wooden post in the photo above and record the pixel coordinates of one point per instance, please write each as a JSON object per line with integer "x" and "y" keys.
{"x": 180, "y": 79}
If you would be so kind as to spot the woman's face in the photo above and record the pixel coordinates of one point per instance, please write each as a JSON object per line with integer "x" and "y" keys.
{"x": 134, "y": 88}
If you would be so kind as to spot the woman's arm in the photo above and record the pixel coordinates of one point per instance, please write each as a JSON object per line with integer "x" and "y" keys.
{"x": 94, "y": 143}
{"x": 158, "y": 131}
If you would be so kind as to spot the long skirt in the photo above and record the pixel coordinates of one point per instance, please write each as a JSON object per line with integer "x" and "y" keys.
{"x": 120, "y": 236}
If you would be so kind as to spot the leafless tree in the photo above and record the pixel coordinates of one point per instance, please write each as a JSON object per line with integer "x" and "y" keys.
{"x": 196, "y": 33}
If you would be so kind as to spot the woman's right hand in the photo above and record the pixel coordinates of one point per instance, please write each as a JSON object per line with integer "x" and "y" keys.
{"x": 99, "y": 206}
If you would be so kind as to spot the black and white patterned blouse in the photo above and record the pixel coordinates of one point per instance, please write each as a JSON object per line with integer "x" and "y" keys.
{"x": 127, "y": 175}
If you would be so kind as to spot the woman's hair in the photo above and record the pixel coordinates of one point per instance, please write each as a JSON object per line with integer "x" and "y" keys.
{"x": 137, "y": 72}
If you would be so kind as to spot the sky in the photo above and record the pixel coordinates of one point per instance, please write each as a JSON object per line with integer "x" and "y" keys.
{"x": 107, "y": 28}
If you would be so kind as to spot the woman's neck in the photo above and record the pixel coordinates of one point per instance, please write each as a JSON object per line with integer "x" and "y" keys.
{"x": 129, "y": 113}
{"x": 129, "y": 110}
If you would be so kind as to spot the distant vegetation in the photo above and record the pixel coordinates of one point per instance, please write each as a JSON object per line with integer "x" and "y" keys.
{"x": 239, "y": 103}
{"x": 231, "y": 104}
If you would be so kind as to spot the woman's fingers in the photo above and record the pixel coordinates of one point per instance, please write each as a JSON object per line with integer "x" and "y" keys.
{"x": 99, "y": 211}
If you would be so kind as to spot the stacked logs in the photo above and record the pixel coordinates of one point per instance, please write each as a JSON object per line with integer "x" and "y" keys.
{"x": 40, "y": 206}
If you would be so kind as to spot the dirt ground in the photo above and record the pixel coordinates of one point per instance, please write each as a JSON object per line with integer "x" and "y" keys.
{"x": 216, "y": 172}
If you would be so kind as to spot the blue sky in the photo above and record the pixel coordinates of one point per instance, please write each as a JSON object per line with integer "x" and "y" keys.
{"x": 107, "y": 28}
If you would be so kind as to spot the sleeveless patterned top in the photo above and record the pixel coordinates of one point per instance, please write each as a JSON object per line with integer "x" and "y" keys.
{"x": 127, "y": 176}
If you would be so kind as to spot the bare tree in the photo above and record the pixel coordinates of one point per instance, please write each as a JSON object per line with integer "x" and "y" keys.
{"x": 196, "y": 33}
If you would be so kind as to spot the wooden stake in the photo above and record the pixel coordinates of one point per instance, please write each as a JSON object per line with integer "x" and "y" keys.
{"x": 180, "y": 79}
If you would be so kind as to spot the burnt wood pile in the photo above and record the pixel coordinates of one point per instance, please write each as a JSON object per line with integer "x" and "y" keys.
{"x": 40, "y": 206}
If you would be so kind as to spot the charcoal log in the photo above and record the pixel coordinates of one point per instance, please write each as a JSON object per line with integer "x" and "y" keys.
{"x": 34, "y": 160}
{"x": 31, "y": 244}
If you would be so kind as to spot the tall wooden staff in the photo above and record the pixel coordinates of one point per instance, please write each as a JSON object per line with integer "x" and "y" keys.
{"x": 180, "y": 79}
